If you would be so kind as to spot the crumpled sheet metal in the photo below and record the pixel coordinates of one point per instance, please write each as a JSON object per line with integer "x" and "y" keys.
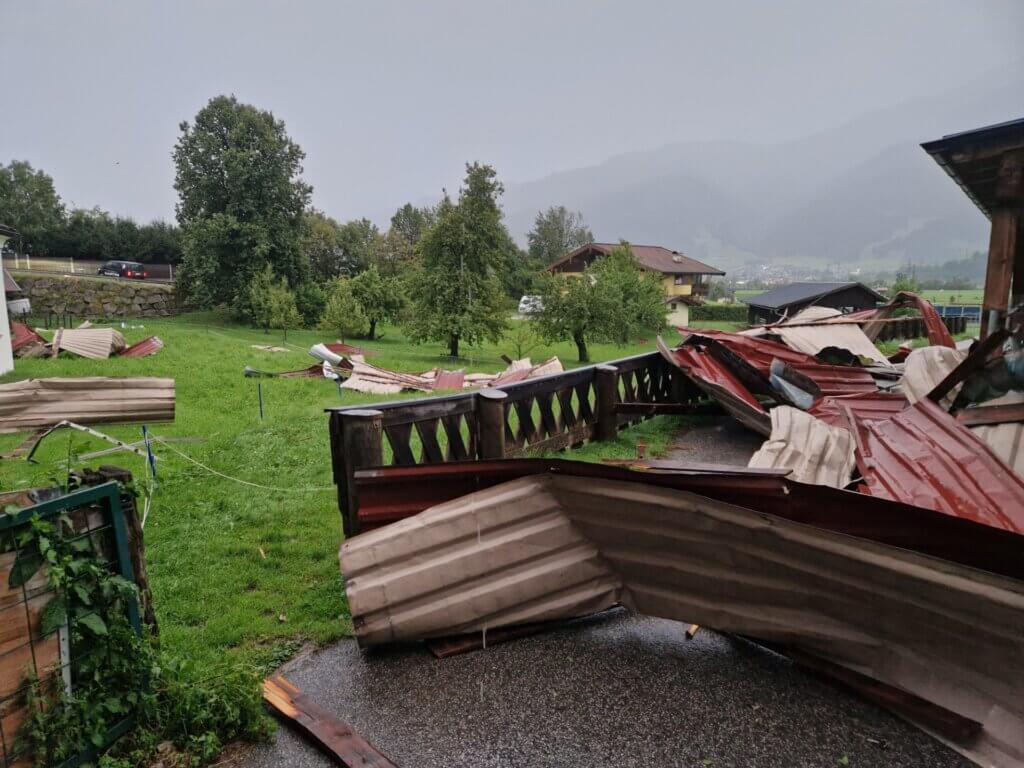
{"x": 718, "y": 382}
{"x": 812, "y": 339}
{"x": 831, "y": 379}
{"x": 938, "y": 333}
{"x": 922, "y": 456}
{"x": 148, "y": 346}
{"x": 545, "y": 546}
{"x": 813, "y": 451}
{"x": 93, "y": 343}
{"x": 869, "y": 405}
{"x": 926, "y": 367}
{"x": 22, "y": 336}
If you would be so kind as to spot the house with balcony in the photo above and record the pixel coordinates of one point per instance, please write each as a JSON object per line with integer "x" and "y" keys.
{"x": 684, "y": 280}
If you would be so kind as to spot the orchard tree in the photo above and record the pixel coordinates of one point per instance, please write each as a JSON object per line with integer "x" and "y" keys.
{"x": 343, "y": 316}
{"x": 29, "y": 203}
{"x": 273, "y": 305}
{"x": 458, "y": 294}
{"x": 555, "y": 232}
{"x": 241, "y": 201}
{"x": 611, "y": 301}
{"x": 380, "y": 297}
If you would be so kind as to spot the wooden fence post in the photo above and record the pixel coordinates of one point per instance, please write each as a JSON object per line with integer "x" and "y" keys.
{"x": 490, "y": 419}
{"x": 606, "y": 386}
{"x": 362, "y": 442}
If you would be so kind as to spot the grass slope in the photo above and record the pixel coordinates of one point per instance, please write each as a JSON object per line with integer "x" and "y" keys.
{"x": 214, "y": 590}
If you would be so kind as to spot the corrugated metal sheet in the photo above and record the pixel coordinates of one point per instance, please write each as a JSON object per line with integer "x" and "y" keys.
{"x": 926, "y": 367}
{"x": 869, "y": 405}
{"x": 23, "y": 336}
{"x": 387, "y": 494}
{"x": 814, "y": 451}
{"x": 719, "y": 383}
{"x": 449, "y": 380}
{"x": 922, "y": 456}
{"x": 546, "y": 546}
{"x": 1005, "y": 440}
{"x": 831, "y": 379}
{"x": 94, "y": 343}
{"x": 938, "y": 334}
{"x": 41, "y": 403}
{"x": 144, "y": 348}
{"x": 812, "y": 339}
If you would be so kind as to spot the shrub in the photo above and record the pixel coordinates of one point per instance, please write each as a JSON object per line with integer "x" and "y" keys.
{"x": 735, "y": 313}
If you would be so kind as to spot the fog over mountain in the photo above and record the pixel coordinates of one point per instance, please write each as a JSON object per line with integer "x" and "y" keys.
{"x": 732, "y": 130}
{"x": 862, "y": 194}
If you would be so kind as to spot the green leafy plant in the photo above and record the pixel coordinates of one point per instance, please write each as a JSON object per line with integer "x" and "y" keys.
{"x": 116, "y": 673}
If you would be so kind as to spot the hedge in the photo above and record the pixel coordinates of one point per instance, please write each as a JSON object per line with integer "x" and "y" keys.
{"x": 736, "y": 313}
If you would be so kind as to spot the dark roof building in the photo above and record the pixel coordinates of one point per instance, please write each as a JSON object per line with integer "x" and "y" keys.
{"x": 787, "y": 300}
{"x": 988, "y": 164}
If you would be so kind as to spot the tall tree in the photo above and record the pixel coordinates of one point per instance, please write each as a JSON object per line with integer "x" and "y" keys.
{"x": 241, "y": 200}
{"x": 343, "y": 315}
{"x": 380, "y": 297}
{"x": 29, "y": 203}
{"x": 411, "y": 222}
{"x": 611, "y": 301}
{"x": 555, "y": 232}
{"x": 458, "y": 293}
{"x": 319, "y": 244}
{"x": 358, "y": 240}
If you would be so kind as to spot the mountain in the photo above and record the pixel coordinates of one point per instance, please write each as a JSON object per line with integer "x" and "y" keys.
{"x": 862, "y": 194}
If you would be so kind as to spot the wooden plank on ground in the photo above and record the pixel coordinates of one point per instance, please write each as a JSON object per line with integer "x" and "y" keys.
{"x": 336, "y": 738}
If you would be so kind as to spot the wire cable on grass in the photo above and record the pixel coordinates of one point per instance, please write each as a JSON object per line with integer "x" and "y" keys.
{"x": 211, "y": 470}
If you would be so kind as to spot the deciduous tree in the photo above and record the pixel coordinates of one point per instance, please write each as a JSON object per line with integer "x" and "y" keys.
{"x": 611, "y": 301}
{"x": 29, "y": 203}
{"x": 458, "y": 294}
{"x": 241, "y": 201}
{"x": 380, "y": 297}
{"x": 555, "y": 232}
{"x": 343, "y": 315}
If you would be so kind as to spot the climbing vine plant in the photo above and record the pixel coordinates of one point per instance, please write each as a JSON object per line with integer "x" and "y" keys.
{"x": 185, "y": 714}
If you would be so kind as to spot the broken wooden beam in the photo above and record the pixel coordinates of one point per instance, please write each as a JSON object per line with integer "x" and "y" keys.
{"x": 336, "y": 738}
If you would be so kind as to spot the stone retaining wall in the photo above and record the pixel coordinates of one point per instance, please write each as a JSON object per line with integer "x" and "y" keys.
{"x": 96, "y": 297}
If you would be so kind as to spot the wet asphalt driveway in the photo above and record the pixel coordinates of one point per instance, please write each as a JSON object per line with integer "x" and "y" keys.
{"x": 615, "y": 690}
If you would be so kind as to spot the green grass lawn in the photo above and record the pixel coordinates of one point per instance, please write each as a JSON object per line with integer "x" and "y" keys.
{"x": 235, "y": 568}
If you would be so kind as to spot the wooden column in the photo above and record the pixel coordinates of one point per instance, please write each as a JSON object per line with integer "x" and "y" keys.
{"x": 606, "y": 386}
{"x": 1002, "y": 251}
{"x": 1005, "y": 249}
{"x": 362, "y": 442}
{"x": 490, "y": 419}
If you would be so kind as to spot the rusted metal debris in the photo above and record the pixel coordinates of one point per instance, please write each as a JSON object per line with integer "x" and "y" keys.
{"x": 381, "y": 381}
{"x": 148, "y": 346}
{"x": 554, "y": 545}
{"x": 389, "y": 494}
{"x": 42, "y": 403}
{"x": 336, "y": 738}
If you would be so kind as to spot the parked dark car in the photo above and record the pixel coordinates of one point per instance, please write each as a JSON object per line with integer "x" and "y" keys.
{"x": 129, "y": 269}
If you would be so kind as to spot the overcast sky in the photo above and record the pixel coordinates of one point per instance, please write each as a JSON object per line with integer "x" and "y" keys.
{"x": 389, "y": 99}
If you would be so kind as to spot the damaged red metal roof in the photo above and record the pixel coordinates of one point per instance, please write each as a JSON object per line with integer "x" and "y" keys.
{"x": 868, "y": 405}
{"x": 22, "y": 336}
{"x": 922, "y": 456}
{"x": 147, "y": 346}
{"x": 831, "y": 379}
